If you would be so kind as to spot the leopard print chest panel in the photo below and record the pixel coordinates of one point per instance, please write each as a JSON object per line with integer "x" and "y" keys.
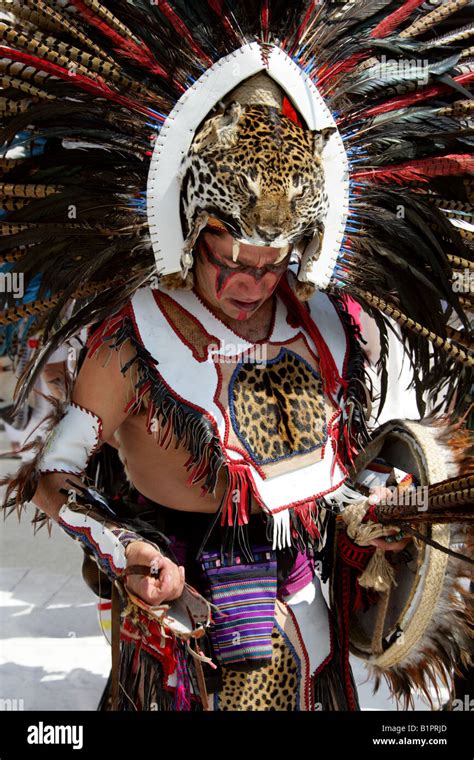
{"x": 278, "y": 410}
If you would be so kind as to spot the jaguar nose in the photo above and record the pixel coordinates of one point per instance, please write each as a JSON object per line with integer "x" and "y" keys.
{"x": 268, "y": 235}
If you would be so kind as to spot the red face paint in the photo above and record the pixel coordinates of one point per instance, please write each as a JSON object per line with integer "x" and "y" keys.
{"x": 226, "y": 270}
{"x": 235, "y": 288}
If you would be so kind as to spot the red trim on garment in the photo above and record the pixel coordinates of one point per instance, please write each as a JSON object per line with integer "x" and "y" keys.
{"x": 85, "y": 531}
{"x": 329, "y": 372}
{"x": 157, "y": 294}
{"x": 226, "y": 417}
{"x": 244, "y": 454}
{"x": 240, "y": 471}
{"x": 307, "y": 678}
{"x": 352, "y": 554}
{"x": 305, "y": 500}
{"x": 96, "y": 447}
{"x": 176, "y": 396}
{"x": 331, "y": 646}
{"x": 100, "y": 430}
{"x": 347, "y": 350}
{"x": 106, "y": 329}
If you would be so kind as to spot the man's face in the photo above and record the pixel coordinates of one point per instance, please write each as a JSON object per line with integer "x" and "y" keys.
{"x": 236, "y": 288}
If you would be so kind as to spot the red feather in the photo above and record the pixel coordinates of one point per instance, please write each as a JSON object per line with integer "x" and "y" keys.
{"x": 419, "y": 171}
{"x": 265, "y": 13}
{"x": 396, "y": 18}
{"x": 97, "y": 87}
{"x": 332, "y": 72}
{"x": 289, "y": 111}
{"x": 126, "y": 47}
{"x": 392, "y": 105}
{"x": 182, "y": 29}
{"x": 217, "y": 7}
{"x": 306, "y": 21}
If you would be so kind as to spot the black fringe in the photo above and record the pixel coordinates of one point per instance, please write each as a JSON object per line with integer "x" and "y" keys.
{"x": 189, "y": 427}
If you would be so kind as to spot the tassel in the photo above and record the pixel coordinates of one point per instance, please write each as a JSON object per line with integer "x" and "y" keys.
{"x": 308, "y": 518}
{"x": 379, "y": 574}
{"x": 237, "y": 495}
{"x": 281, "y": 530}
{"x": 182, "y": 700}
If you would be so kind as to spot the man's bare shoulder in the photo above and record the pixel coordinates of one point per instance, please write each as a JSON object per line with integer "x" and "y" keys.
{"x": 105, "y": 386}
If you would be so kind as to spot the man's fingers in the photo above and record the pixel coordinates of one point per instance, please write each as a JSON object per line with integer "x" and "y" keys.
{"x": 167, "y": 587}
{"x": 397, "y": 546}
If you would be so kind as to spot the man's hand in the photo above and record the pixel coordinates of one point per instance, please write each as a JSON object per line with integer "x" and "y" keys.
{"x": 396, "y": 546}
{"x": 377, "y": 496}
{"x": 167, "y": 585}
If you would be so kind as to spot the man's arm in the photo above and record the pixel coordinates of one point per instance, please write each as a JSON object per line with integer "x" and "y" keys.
{"x": 103, "y": 390}
{"x": 100, "y": 395}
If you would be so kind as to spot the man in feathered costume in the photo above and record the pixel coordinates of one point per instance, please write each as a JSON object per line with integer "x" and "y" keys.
{"x": 219, "y": 178}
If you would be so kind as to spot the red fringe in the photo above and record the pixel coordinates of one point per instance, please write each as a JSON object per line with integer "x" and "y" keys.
{"x": 104, "y": 330}
{"x": 241, "y": 484}
{"x": 305, "y": 513}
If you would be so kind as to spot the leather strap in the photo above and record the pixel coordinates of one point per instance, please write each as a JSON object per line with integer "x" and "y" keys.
{"x": 140, "y": 570}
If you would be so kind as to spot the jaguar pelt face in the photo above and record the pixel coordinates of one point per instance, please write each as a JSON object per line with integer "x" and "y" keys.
{"x": 260, "y": 173}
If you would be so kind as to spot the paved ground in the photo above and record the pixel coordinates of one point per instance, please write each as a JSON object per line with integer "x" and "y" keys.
{"x": 53, "y": 655}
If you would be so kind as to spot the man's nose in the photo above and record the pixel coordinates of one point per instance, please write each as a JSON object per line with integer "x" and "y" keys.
{"x": 252, "y": 284}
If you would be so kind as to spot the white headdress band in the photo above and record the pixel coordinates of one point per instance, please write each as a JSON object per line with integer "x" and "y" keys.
{"x": 176, "y": 135}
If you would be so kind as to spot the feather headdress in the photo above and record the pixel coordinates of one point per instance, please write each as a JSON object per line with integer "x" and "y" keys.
{"x": 100, "y": 85}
